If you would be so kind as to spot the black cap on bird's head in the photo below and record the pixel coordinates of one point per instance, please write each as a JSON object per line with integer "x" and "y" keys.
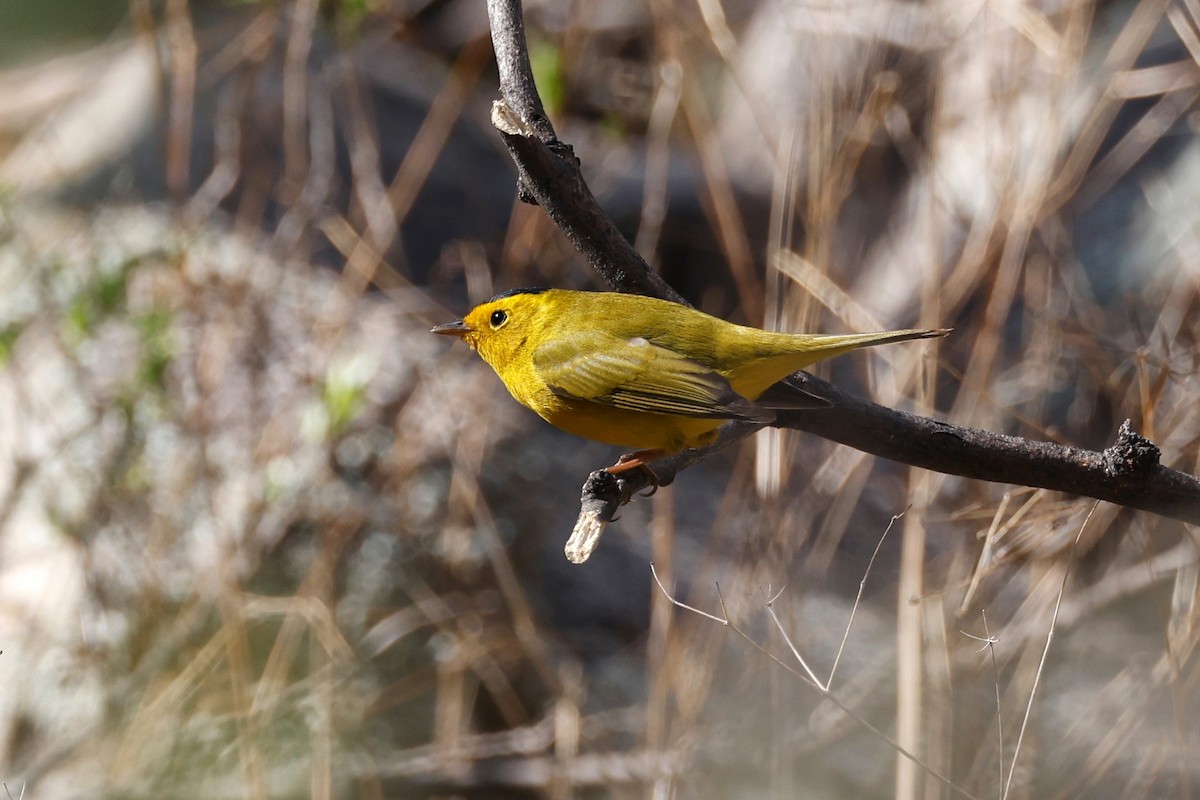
{"x": 514, "y": 292}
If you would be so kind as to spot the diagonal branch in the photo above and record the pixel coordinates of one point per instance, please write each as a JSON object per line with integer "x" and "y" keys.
{"x": 1128, "y": 473}
{"x": 548, "y": 169}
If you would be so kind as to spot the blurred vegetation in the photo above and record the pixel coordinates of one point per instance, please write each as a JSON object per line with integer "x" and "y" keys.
{"x": 30, "y": 27}
{"x": 262, "y": 536}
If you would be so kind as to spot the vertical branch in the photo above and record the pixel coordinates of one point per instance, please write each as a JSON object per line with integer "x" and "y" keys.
{"x": 295, "y": 96}
{"x": 517, "y": 86}
{"x": 910, "y": 642}
{"x": 183, "y": 55}
{"x": 548, "y": 170}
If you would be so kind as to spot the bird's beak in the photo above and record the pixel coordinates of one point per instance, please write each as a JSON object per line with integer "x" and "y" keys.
{"x": 456, "y": 328}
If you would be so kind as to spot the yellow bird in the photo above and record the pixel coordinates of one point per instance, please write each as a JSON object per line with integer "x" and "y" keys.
{"x": 641, "y": 372}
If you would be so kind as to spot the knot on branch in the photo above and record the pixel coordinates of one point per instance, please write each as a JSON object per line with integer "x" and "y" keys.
{"x": 535, "y": 127}
{"x": 1131, "y": 455}
{"x": 564, "y": 151}
{"x": 508, "y": 121}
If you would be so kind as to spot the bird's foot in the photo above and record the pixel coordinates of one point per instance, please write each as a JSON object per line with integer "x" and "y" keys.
{"x": 637, "y": 460}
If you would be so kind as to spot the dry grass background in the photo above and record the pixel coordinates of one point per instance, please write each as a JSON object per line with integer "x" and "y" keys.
{"x": 261, "y": 536}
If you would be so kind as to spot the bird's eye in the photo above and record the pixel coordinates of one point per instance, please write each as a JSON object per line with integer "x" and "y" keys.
{"x": 499, "y": 318}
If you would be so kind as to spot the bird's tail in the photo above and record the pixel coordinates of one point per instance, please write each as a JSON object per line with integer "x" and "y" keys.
{"x": 835, "y": 344}
{"x": 791, "y": 352}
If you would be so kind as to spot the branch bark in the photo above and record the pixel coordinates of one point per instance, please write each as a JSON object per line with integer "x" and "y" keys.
{"x": 548, "y": 169}
{"x": 1128, "y": 473}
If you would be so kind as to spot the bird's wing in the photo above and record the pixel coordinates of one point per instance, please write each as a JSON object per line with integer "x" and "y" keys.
{"x": 637, "y": 375}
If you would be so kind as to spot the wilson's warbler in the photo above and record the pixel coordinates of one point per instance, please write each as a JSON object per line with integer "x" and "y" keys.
{"x": 640, "y": 372}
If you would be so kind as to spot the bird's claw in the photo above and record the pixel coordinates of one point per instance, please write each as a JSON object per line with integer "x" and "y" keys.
{"x": 637, "y": 460}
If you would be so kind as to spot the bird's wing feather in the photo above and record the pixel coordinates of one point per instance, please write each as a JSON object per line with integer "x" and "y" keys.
{"x": 637, "y": 375}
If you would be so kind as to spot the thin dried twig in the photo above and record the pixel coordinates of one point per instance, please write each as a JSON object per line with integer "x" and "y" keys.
{"x": 1012, "y": 768}
{"x": 723, "y": 619}
{"x": 808, "y": 678}
{"x": 862, "y": 585}
{"x": 989, "y": 642}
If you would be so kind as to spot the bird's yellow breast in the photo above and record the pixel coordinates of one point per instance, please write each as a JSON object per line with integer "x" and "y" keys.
{"x": 604, "y": 423}
{"x": 634, "y": 429}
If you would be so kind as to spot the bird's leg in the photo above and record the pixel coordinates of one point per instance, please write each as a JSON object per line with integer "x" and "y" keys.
{"x": 637, "y": 460}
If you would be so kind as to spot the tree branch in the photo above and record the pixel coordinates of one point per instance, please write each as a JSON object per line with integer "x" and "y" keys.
{"x": 548, "y": 170}
{"x": 1128, "y": 473}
